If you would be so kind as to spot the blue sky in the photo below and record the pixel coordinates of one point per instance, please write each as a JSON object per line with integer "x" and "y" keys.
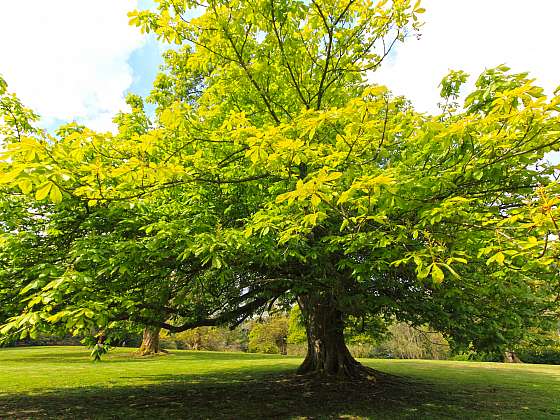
{"x": 76, "y": 61}
{"x": 146, "y": 60}
{"x": 145, "y": 63}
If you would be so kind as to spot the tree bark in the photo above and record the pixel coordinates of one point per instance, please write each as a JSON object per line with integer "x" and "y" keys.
{"x": 150, "y": 342}
{"x": 327, "y": 353}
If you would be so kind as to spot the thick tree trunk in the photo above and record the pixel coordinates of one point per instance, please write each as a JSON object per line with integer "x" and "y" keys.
{"x": 327, "y": 353}
{"x": 150, "y": 342}
{"x": 511, "y": 357}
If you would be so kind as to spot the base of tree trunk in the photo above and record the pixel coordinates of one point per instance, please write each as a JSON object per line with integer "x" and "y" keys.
{"x": 160, "y": 352}
{"x": 150, "y": 343}
{"x": 327, "y": 354}
{"x": 511, "y": 357}
{"x": 346, "y": 371}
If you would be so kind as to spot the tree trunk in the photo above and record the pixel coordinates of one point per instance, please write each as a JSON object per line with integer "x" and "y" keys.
{"x": 327, "y": 353}
{"x": 511, "y": 357}
{"x": 150, "y": 342}
{"x": 282, "y": 344}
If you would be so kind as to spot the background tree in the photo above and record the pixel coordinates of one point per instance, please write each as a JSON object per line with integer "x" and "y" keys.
{"x": 269, "y": 335}
{"x": 208, "y": 338}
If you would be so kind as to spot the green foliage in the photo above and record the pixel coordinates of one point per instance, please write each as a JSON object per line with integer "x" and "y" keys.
{"x": 544, "y": 349}
{"x": 207, "y": 338}
{"x": 269, "y": 335}
{"x": 296, "y": 327}
{"x": 549, "y": 355}
{"x": 450, "y": 90}
{"x": 99, "y": 349}
{"x": 273, "y": 171}
{"x": 472, "y": 356}
{"x": 406, "y": 342}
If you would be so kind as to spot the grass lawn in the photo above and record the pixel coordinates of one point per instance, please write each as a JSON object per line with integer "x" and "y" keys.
{"x": 62, "y": 382}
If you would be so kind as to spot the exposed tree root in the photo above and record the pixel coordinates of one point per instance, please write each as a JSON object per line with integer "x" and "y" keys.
{"x": 160, "y": 352}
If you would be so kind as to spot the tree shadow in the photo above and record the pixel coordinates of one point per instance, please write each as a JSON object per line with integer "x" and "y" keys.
{"x": 257, "y": 391}
{"x": 242, "y": 395}
{"x": 200, "y": 396}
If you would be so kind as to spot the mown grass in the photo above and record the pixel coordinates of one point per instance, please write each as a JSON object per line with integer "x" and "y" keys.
{"x": 62, "y": 382}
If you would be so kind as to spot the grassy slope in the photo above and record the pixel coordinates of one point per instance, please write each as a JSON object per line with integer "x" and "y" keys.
{"x": 63, "y": 382}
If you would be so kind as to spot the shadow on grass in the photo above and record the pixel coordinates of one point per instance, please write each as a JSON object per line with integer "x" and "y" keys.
{"x": 209, "y": 396}
{"x": 240, "y": 395}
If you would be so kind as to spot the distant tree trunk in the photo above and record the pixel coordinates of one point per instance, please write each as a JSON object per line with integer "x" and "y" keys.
{"x": 511, "y": 357}
{"x": 282, "y": 344}
{"x": 150, "y": 342}
{"x": 327, "y": 353}
{"x": 198, "y": 340}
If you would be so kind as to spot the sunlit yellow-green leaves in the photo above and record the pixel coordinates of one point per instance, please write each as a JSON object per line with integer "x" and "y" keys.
{"x": 270, "y": 159}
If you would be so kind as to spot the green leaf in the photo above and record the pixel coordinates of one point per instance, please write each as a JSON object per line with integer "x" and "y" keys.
{"x": 344, "y": 197}
{"x": 57, "y": 317}
{"x": 7, "y": 328}
{"x": 531, "y": 242}
{"x": 55, "y": 194}
{"x": 30, "y": 286}
{"x": 437, "y": 274}
{"x": 498, "y": 257}
{"x": 315, "y": 200}
{"x": 43, "y": 192}
{"x": 216, "y": 262}
{"x": 451, "y": 270}
{"x": 25, "y": 186}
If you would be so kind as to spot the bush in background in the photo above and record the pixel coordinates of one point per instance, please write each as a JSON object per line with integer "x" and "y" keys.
{"x": 269, "y": 335}
{"x": 207, "y": 338}
{"x": 549, "y": 355}
{"x": 408, "y": 342}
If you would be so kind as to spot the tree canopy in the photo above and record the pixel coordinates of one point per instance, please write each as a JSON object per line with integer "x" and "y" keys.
{"x": 274, "y": 171}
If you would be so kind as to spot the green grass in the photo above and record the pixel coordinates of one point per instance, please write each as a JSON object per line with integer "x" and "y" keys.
{"x": 62, "y": 382}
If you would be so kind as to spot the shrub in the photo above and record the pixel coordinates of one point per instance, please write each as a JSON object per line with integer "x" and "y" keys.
{"x": 269, "y": 335}
{"x": 406, "y": 342}
{"x": 207, "y": 338}
{"x": 549, "y": 354}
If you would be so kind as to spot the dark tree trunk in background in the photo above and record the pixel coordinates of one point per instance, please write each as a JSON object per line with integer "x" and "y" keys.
{"x": 327, "y": 353}
{"x": 150, "y": 342}
{"x": 282, "y": 344}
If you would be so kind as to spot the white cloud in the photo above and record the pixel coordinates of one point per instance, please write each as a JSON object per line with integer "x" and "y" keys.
{"x": 472, "y": 35}
{"x": 67, "y": 59}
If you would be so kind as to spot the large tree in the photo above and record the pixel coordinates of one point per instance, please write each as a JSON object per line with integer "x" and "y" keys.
{"x": 274, "y": 170}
